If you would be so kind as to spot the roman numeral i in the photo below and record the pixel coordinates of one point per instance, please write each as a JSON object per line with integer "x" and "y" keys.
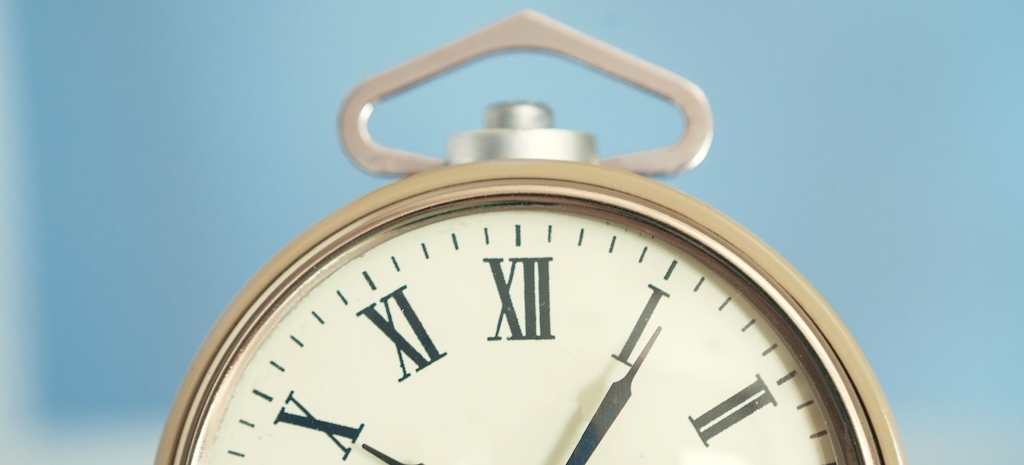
{"x": 641, "y": 323}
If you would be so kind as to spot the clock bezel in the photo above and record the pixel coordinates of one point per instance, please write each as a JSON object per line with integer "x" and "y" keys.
{"x": 625, "y": 197}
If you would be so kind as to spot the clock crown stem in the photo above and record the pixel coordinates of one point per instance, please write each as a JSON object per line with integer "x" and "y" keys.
{"x": 520, "y": 130}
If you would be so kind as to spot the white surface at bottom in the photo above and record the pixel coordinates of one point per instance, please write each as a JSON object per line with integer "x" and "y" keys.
{"x": 105, "y": 441}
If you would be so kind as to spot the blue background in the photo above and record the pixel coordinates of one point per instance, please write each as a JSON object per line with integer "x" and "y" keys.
{"x": 170, "y": 149}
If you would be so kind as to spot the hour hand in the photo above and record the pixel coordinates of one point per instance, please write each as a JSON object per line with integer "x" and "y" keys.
{"x": 383, "y": 457}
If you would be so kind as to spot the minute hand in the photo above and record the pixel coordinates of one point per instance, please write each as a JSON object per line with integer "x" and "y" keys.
{"x": 616, "y": 397}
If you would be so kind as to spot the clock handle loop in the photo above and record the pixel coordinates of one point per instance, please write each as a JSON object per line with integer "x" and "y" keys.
{"x": 528, "y": 30}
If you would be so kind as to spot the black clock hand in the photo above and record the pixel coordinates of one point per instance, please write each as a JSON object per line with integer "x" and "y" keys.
{"x": 612, "y": 404}
{"x": 384, "y": 458}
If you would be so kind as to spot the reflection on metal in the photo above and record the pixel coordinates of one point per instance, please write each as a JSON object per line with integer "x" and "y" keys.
{"x": 520, "y": 131}
{"x": 528, "y": 30}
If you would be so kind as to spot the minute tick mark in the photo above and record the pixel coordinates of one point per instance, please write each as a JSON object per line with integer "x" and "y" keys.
{"x": 697, "y": 287}
{"x": 748, "y": 325}
{"x": 720, "y": 307}
{"x": 770, "y": 349}
{"x": 455, "y": 242}
{"x": 275, "y": 365}
{"x": 297, "y": 341}
{"x": 788, "y": 377}
{"x": 395, "y": 263}
{"x": 670, "y": 268}
{"x": 321, "y": 320}
{"x": 644, "y": 252}
{"x": 580, "y": 241}
{"x": 804, "y": 405}
{"x": 611, "y": 246}
{"x": 366, "y": 276}
{"x": 549, "y": 233}
{"x": 262, "y": 395}
{"x": 237, "y": 454}
{"x": 426, "y": 254}
{"x": 487, "y": 237}
{"x": 342, "y": 297}
{"x": 247, "y": 423}
{"x": 818, "y": 434}
{"x": 519, "y": 236}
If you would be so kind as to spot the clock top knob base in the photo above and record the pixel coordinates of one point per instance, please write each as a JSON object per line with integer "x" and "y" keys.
{"x": 520, "y": 130}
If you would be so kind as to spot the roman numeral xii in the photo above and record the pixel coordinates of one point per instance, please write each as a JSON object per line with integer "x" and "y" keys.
{"x": 536, "y": 302}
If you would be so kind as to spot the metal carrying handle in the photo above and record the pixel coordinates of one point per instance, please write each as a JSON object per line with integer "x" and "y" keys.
{"x": 528, "y": 30}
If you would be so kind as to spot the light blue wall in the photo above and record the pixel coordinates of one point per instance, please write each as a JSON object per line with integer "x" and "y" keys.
{"x": 171, "y": 149}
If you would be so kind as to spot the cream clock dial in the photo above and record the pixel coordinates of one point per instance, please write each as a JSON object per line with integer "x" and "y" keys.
{"x": 493, "y": 337}
{"x": 528, "y": 311}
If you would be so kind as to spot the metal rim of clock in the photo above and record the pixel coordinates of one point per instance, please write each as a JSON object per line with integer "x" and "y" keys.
{"x": 383, "y": 213}
{"x": 528, "y": 30}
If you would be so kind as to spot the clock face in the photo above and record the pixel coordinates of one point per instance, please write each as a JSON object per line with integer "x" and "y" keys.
{"x": 525, "y": 334}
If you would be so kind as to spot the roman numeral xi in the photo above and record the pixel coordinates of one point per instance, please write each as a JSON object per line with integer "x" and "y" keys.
{"x": 536, "y": 308}
{"x": 403, "y": 347}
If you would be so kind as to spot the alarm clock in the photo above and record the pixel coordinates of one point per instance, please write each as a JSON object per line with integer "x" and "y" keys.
{"x": 526, "y": 302}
